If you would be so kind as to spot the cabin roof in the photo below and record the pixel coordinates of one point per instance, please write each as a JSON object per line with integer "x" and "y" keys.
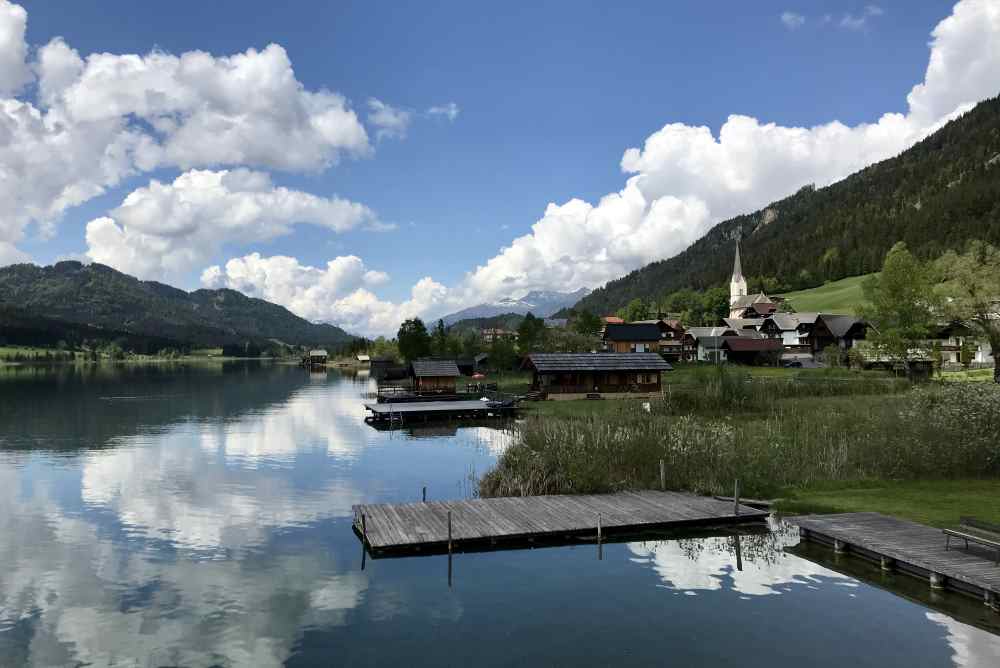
{"x": 318, "y": 353}
{"x": 742, "y": 323}
{"x": 557, "y": 362}
{"x": 435, "y": 368}
{"x": 745, "y": 344}
{"x": 840, "y": 325}
{"x": 633, "y": 332}
{"x": 701, "y": 332}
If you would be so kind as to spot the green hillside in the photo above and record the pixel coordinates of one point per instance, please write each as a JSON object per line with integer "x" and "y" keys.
{"x": 841, "y": 296}
{"x": 73, "y": 300}
{"x": 935, "y": 196}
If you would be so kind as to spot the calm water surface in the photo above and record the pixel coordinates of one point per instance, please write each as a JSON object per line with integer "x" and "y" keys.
{"x": 202, "y": 516}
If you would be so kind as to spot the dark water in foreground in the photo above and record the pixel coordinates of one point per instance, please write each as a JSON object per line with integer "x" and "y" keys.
{"x": 201, "y": 516}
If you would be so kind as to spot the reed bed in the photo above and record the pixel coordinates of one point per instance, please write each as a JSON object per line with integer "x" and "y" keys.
{"x": 810, "y": 433}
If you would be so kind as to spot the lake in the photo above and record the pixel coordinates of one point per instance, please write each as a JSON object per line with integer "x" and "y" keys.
{"x": 201, "y": 515}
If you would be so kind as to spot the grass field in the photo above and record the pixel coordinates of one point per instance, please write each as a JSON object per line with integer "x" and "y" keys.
{"x": 971, "y": 376}
{"x": 841, "y": 296}
{"x": 936, "y": 502}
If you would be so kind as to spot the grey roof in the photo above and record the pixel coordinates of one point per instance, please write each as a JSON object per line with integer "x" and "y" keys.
{"x": 435, "y": 368}
{"x": 786, "y": 322}
{"x": 633, "y": 332}
{"x": 701, "y": 332}
{"x": 743, "y": 323}
{"x": 749, "y": 300}
{"x": 556, "y": 362}
{"x": 318, "y": 353}
{"x": 839, "y": 325}
{"x": 807, "y": 317}
{"x": 481, "y": 357}
{"x": 749, "y": 334}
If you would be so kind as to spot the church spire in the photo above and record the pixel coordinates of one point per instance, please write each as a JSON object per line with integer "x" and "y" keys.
{"x": 737, "y": 269}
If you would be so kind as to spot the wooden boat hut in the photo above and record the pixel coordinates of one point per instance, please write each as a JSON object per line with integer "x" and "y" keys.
{"x": 434, "y": 376}
{"x": 578, "y": 375}
{"x": 318, "y": 357}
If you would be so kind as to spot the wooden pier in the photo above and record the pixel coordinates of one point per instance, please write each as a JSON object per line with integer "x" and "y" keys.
{"x": 909, "y": 547}
{"x": 439, "y": 526}
{"x": 423, "y": 410}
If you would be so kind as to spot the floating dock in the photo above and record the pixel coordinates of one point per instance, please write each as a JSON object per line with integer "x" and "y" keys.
{"x": 423, "y": 410}
{"x": 439, "y": 526}
{"x": 909, "y": 547}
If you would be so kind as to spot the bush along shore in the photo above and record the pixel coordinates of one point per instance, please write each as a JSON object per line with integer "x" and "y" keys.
{"x": 773, "y": 435}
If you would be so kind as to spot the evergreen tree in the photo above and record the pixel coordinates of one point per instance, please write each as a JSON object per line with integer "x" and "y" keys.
{"x": 413, "y": 340}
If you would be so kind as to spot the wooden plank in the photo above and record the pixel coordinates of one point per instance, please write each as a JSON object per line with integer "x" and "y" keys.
{"x": 415, "y": 524}
{"x": 907, "y": 542}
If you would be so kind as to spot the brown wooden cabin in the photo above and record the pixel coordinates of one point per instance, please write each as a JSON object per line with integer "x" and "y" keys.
{"x": 596, "y": 373}
{"x": 752, "y": 349}
{"x": 632, "y": 338}
{"x": 434, "y": 376}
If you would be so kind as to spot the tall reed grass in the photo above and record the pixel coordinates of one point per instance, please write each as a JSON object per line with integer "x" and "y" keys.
{"x": 810, "y": 432}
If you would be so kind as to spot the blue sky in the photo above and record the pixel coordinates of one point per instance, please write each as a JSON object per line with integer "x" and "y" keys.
{"x": 550, "y": 96}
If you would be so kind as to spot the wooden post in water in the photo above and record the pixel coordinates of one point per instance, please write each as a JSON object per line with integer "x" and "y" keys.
{"x": 425, "y": 493}
{"x": 736, "y": 498}
{"x": 600, "y": 551}
{"x": 663, "y": 476}
{"x": 364, "y": 529}
{"x": 449, "y": 532}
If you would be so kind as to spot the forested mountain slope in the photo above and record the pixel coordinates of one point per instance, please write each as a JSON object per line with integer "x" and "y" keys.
{"x": 934, "y": 196}
{"x": 100, "y": 297}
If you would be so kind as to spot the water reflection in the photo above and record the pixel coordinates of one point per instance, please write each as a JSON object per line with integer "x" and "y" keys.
{"x": 199, "y": 516}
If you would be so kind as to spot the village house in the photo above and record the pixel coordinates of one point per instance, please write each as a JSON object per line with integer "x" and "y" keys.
{"x": 318, "y": 357}
{"x": 577, "y": 375}
{"x": 632, "y": 338}
{"x": 706, "y": 343}
{"x": 434, "y": 376}
{"x": 672, "y": 344}
{"x": 842, "y": 331}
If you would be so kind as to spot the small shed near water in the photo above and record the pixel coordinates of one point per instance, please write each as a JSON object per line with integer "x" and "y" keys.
{"x": 434, "y": 376}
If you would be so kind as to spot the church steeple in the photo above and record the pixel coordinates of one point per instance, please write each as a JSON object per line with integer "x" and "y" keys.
{"x": 737, "y": 269}
{"x": 737, "y": 284}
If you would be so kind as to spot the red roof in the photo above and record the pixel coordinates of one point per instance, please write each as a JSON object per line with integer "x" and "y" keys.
{"x": 739, "y": 344}
{"x": 612, "y": 320}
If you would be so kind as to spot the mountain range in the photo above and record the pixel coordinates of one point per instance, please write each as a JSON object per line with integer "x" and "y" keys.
{"x": 540, "y": 303}
{"x": 934, "y": 196}
{"x": 96, "y": 301}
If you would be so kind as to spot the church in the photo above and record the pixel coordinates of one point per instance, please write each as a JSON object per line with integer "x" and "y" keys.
{"x": 742, "y": 305}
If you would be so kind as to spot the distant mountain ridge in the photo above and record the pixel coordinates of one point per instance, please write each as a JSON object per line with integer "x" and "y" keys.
{"x": 101, "y": 298}
{"x": 540, "y": 303}
{"x": 935, "y": 196}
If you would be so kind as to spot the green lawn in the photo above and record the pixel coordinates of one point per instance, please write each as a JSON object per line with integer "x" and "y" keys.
{"x": 971, "y": 376}
{"x": 841, "y": 296}
{"x": 935, "y": 502}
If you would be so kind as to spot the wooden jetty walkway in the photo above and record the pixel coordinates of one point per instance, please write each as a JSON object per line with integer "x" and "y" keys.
{"x": 423, "y": 410}
{"x": 909, "y": 547}
{"x": 436, "y": 526}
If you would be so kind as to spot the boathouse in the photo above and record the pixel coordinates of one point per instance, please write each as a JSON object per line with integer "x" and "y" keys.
{"x": 318, "y": 357}
{"x": 577, "y": 375}
{"x": 434, "y": 376}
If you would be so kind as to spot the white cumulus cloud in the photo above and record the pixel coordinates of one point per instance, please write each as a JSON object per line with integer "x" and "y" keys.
{"x": 449, "y": 111}
{"x": 792, "y": 20}
{"x": 93, "y": 121}
{"x": 390, "y": 122}
{"x": 165, "y": 229}
{"x": 339, "y": 293}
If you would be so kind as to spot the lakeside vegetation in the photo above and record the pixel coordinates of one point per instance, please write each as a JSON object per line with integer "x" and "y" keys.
{"x": 779, "y": 437}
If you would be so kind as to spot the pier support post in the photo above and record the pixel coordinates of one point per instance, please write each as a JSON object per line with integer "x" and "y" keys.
{"x": 888, "y": 565}
{"x": 937, "y": 581}
{"x": 449, "y": 532}
{"x": 364, "y": 529}
{"x": 425, "y": 493}
{"x": 663, "y": 476}
{"x": 839, "y": 546}
{"x": 600, "y": 551}
{"x": 736, "y": 498}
